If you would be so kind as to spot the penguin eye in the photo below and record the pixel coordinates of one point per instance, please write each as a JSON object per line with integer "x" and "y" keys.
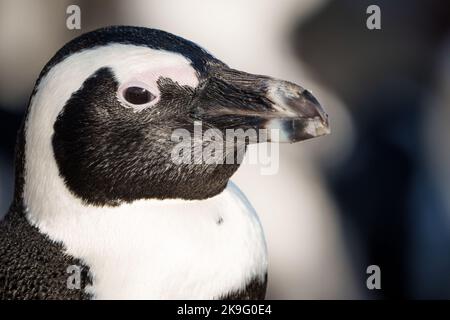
{"x": 137, "y": 95}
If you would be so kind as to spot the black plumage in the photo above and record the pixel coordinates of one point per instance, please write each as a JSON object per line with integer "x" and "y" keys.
{"x": 32, "y": 266}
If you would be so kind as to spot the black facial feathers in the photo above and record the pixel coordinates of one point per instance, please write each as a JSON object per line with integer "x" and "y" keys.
{"x": 108, "y": 153}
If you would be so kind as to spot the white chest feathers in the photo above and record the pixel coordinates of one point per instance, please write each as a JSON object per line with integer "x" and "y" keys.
{"x": 163, "y": 249}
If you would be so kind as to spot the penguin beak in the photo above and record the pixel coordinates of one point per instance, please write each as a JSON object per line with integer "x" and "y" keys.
{"x": 233, "y": 99}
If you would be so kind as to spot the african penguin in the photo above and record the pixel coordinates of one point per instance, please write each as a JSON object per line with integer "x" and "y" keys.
{"x": 96, "y": 186}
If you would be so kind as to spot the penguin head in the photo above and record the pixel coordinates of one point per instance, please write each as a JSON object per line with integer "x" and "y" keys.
{"x": 104, "y": 109}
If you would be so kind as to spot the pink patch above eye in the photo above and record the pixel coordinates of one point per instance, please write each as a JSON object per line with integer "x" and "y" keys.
{"x": 184, "y": 75}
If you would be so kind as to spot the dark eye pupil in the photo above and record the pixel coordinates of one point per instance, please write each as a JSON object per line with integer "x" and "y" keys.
{"x": 137, "y": 95}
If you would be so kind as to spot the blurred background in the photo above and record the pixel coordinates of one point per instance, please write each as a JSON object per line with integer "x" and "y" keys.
{"x": 376, "y": 191}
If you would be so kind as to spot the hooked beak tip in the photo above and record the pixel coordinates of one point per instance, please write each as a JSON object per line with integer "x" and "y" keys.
{"x": 301, "y": 116}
